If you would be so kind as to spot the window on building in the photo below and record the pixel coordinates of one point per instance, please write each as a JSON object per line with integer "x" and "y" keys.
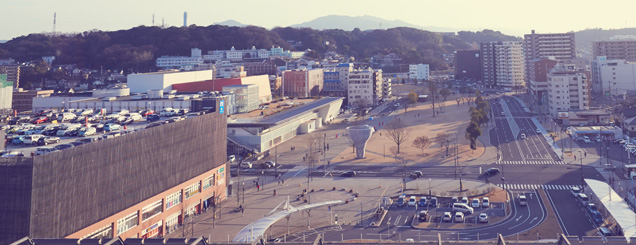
{"x": 127, "y": 223}
{"x": 173, "y": 199}
{"x": 192, "y": 190}
{"x": 104, "y": 232}
{"x": 209, "y": 181}
{"x": 151, "y": 210}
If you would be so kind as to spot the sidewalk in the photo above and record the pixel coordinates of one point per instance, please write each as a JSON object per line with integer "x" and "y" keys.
{"x": 258, "y": 204}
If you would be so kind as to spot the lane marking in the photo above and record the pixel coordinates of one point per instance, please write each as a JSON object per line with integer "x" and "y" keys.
{"x": 556, "y": 212}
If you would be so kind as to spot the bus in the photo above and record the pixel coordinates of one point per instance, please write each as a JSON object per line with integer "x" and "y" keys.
{"x": 630, "y": 171}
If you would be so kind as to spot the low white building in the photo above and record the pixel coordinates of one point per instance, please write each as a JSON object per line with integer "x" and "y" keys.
{"x": 568, "y": 90}
{"x": 142, "y": 82}
{"x": 181, "y": 62}
{"x": 613, "y": 76}
{"x": 419, "y": 72}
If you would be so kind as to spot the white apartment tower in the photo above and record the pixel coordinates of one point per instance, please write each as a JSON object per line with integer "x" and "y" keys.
{"x": 365, "y": 84}
{"x": 556, "y": 46}
{"x": 503, "y": 64}
{"x": 568, "y": 90}
{"x": 613, "y": 77}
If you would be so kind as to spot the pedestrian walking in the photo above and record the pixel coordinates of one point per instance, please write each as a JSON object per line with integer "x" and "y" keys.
{"x": 282, "y": 180}
{"x": 258, "y": 187}
{"x": 274, "y": 192}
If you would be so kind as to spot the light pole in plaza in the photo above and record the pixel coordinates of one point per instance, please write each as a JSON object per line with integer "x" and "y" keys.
{"x": 582, "y": 176}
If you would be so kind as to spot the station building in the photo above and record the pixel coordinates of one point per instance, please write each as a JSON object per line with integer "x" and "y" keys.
{"x": 139, "y": 185}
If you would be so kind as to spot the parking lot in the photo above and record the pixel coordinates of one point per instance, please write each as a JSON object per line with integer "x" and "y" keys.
{"x": 46, "y": 126}
{"x": 405, "y": 216}
{"x": 614, "y": 151}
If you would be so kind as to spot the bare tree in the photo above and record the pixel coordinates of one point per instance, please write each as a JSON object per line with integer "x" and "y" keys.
{"x": 421, "y": 142}
{"x": 432, "y": 89}
{"x": 458, "y": 99}
{"x": 441, "y": 139}
{"x": 360, "y": 105}
{"x": 397, "y": 131}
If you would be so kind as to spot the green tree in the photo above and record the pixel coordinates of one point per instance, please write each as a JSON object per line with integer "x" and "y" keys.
{"x": 472, "y": 132}
{"x": 412, "y": 98}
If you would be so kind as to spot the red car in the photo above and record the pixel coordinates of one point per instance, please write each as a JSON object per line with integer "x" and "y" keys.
{"x": 145, "y": 113}
{"x": 39, "y": 120}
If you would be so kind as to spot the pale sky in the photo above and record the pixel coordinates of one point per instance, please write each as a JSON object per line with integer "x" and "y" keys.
{"x": 513, "y": 17}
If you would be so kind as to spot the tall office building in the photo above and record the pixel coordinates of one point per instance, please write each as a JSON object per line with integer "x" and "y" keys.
{"x": 467, "y": 64}
{"x": 556, "y": 46}
{"x": 502, "y": 64}
{"x": 615, "y": 50}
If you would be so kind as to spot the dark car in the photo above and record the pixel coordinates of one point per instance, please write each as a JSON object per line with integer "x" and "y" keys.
{"x": 268, "y": 164}
{"x": 491, "y": 171}
{"x": 432, "y": 202}
{"x": 51, "y": 132}
{"x": 349, "y": 174}
{"x": 153, "y": 118}
{"x": 77, "y": 143}
{"x": 416, "y": 174}
{"x": 99, "y": 127}
{"x": 422, "y": 216}
{"x": 48, "y": 140}
{"x": 63, "y": 146}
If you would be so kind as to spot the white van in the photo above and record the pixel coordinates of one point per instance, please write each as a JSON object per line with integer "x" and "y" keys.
{"x": 167, "y": 112}
{"x": 66, "y": 116}
{"x": 523, "y": 201}
{"x": 32, "y": 139}
{"x": 586, "y": 139}
{"x": 461, "y": 207}
{"x": 246, "y": 165}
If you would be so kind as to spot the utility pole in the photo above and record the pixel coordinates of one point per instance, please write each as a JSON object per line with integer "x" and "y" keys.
{"x": 276, "y": 161}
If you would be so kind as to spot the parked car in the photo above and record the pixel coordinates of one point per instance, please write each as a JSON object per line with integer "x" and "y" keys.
{"x": 447, "y": 217}
{"x": 597, "y": 217}
{"x": 483, "y": 218}
{"x": 246, "y": 165}
{"x": 459, "y": 217}
{"x": 422, "y": 202}
{"x": 401, "y": 200}
{"x": 583, "y": 199}
{"x": 465, "y": 200}
{"x": 461, "y": 207}
{"x": 422, "y": 216}
{"x": 153, "y": 118}
{"x": 349, "y": 174}
{"x": 270, "y": 164}
{"x": 147, "y": 112}
{"x": 485, "y": 202}
{"x": 98, "y": 127}
{"x": 454, "y": 200}
{"x": 44, "y": 150}
{"x": 83, "y": 132}
{"x": 48, "y": 140}
{"x": 416, "y": 174}
{"x": 433, "y": 202}
{"x": 12, "y": 154}
{"x": 475, "y": 203}
{"x": 39, "y": 120}
{"x": 31, "y": 139}
{"x": 111, "y": 127}
{"x": 17, "y": 140}
{"x": 63, "y": 146}
{"x": 412, "y": 201}
{"x": 231, "y": 158}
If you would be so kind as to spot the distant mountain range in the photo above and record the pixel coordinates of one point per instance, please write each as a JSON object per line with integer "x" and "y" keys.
{"x": 230, "y": 23}
{"x": 3, "y": 41}
{"x": 365, "y": 22}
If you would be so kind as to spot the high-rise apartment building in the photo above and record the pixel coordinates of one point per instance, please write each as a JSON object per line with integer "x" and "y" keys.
{"x": 6, "y": 93}
{"x": 419, "y": 72}
{"x": 365, "y": 85}
{"x": 568, "y": 90}
{"x": 502, "y": 64}
{"x": 556, "y": 46}
{"x": 467, "y": 65}
{"x": 615, "y": 50}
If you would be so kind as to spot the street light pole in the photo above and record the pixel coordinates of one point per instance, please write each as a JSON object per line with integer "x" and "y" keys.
{"x": 582, "y": 176}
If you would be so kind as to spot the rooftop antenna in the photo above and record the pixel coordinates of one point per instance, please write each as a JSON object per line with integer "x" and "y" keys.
{"x": 163, "y": 23}
{"x": 54, "y": 20}
{"x": 153, "y": 19}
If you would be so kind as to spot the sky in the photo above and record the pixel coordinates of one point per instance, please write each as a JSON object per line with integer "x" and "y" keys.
{"x": 512, "y": 17}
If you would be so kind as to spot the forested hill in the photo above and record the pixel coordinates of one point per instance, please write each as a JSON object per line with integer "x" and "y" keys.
{"x": 136, "y": 49}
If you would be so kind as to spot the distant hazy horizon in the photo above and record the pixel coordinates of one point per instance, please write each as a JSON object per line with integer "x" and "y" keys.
{"x": 36, "y": 16}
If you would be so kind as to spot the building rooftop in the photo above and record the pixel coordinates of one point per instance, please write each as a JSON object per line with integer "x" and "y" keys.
{"x": 294, "y": 112}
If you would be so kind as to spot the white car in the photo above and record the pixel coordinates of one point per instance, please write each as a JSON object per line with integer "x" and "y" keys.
{"x": 447, "y": 217}
{"x": 464, "y": 200}
{"x": 523, "y": 136}
{"x": 412, "y": 201}
{"x": 575, "y": 191}
{"x": 476, "y": 203}
{"x": 538, "y": 131}
{"x": 246, "y": 165}
{"x": 232, "y": 158}
{"x": 483, "y": 218}
{"x": 459, "y": 217}
{"x": 485, "y": 202}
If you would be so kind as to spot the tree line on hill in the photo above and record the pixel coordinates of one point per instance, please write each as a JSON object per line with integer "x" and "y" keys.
{"x": 136, "y": 49}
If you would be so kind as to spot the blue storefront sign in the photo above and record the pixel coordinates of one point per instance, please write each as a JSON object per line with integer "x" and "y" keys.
{"x": 222, "y": 106}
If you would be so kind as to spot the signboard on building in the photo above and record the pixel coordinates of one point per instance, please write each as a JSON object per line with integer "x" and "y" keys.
{"x": 563, "y": 115}
{"x": 221, "y": 175}
{"x": 221, "y": 106}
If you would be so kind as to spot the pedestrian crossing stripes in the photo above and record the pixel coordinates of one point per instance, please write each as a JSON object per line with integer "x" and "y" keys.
{"x": 534, "y": 162}
{"x": 535, "y": 187}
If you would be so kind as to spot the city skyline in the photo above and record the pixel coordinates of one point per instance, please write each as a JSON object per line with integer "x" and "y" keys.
{"x": 35, "y": 16}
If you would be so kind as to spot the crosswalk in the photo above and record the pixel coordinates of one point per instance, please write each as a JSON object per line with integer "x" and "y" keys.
{"x": 535, "y": 187}
{"x": 534, "y": 162}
